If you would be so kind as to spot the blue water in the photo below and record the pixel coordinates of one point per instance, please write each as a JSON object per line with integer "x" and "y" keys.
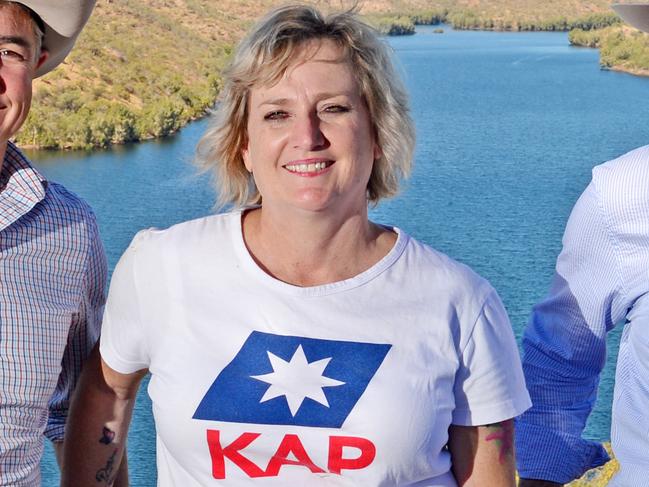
{"x": 509, "y": 126}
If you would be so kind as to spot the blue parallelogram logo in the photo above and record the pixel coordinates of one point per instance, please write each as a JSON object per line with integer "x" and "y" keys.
{"x": 290, "y": 380}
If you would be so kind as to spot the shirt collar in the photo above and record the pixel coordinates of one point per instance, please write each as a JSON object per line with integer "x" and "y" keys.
{"x": 21, "y": 186}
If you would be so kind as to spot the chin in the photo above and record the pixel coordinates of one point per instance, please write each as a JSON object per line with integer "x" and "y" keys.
{"x": 311, "y": 206}
{"x": 335, "y": 206}
{"x": 318, "y": 200}
{"x": 312, "y": 199}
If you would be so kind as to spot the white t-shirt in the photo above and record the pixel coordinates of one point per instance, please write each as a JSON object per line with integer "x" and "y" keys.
{"x": 258, "y": 382}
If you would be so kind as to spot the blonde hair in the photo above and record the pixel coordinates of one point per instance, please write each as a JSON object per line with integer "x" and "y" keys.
{"x": 263, "y": 57}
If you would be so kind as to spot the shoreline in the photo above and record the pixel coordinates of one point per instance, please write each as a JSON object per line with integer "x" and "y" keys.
{"x": 643, "y": 73}
{"x": 32, "y": 147}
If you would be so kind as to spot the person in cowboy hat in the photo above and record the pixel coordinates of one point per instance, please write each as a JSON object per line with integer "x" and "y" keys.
{"x": 52, "y": 264}
{"x": 601, "y": 278}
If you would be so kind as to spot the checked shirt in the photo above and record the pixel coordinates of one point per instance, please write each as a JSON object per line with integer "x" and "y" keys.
{"x": 52, "y": 279}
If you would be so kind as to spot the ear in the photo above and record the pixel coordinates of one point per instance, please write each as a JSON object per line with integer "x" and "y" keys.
{"x": 42, "y": 58}
{"x": 245, "y": 155}
{"x": 378, "y": 152}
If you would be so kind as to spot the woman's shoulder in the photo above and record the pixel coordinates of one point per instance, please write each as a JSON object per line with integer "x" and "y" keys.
{"x": 448, "y": 289}
{"x": 188, "y": 233}
{"x": 439, "y": 272}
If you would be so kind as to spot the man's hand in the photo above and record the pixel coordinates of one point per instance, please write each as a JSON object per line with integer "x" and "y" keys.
{"x": 537, "y": 483}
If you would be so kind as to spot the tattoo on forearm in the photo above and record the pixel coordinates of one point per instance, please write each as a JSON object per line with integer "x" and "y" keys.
{"x": 107, "y": 436}
{"x": 503, "y": 435}
{"x": 105, "y": 475}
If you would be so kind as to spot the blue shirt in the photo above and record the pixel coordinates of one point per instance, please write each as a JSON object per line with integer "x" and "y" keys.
{"x": 601, "y": 278}
{"x": 52, "y": 279}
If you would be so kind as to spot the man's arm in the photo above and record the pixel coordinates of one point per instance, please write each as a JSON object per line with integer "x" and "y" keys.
{"x": 483, "y": 455}
{"x": 85, "y": 325}
{"x": 101, "y": 412}
{"x": 98, "y": 425}
{"x": 565, "y": 349}
{"x": 82, "y": 337}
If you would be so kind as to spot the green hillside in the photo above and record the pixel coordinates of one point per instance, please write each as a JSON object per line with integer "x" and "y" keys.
{"x": 144, "y": 68}
{"x": 137, "y": 72}
{"x": 621, "y": 48}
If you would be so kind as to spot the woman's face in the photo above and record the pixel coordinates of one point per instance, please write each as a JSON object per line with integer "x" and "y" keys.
{"x": 310, "y": 141}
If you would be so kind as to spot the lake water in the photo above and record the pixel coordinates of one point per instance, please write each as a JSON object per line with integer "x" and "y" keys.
{"x": 509, "y": 126}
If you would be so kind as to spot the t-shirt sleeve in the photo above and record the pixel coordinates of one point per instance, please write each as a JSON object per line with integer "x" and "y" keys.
{"x": 489, "y": 384}
{"x": 123, "y": 344}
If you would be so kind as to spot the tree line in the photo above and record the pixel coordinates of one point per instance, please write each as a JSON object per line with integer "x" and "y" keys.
{"x": 470, "y": 20}
{"x": 621, "y": 49}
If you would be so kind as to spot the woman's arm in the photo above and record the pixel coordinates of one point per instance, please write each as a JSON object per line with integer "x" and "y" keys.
{"x": 99, "y": 417}
{"x": 121, "y": 479}
{"x": 483, "y": 455}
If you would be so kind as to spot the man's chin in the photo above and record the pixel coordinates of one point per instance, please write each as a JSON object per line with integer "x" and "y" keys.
{"x": 8, "y": 130}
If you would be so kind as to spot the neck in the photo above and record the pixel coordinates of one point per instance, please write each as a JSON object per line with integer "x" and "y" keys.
{"x": 314, "y": 249}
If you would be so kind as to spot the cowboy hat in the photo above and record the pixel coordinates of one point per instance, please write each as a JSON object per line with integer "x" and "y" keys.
{"x": 635, "y": 14}
{"x": 63, "y": 21}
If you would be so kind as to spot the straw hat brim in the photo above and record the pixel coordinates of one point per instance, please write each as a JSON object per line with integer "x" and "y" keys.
{"x": 635, "y": 14}
{"x": 64, "y": 20}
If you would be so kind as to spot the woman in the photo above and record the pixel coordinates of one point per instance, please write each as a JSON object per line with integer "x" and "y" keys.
{"x": 293, "y": 341}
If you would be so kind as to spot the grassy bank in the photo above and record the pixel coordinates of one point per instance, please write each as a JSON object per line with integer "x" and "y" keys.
{"x": 621, "y": 48}
{"x": 404, "y": 24}
{"x": 392, "y": 25}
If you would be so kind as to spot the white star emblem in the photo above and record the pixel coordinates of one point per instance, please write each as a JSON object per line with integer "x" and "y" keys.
{"x": 297, "y": 380}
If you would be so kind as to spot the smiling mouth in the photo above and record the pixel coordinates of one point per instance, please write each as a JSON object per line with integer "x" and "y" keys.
{"x": 310, "y": 167}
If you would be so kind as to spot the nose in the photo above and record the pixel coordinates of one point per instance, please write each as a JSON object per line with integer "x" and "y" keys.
{"x": 307, "y": 132}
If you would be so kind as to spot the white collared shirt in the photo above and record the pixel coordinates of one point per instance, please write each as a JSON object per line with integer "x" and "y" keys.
{"x": 601, "y": 278}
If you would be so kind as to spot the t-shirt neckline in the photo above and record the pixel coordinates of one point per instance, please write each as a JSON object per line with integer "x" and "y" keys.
{"x": 249, "y": 264}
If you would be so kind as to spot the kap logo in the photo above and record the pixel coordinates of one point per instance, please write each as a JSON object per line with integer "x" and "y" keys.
{"x": 363, "y": 452}
{"x": 291, "y": 380}
{"x": 287, "y": 380}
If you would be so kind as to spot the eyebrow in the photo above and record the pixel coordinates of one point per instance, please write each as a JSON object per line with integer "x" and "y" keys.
{"x": 286, "y": 101}
{"x": 275, "y": 101}
{"x": 19, "y": 41}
